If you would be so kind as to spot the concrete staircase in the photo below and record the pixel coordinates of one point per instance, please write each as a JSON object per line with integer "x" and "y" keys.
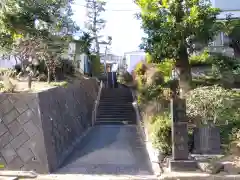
{"x": 115, "y": 107}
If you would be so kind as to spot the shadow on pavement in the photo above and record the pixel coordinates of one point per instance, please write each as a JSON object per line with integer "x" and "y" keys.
{"x": 115, "y": 150}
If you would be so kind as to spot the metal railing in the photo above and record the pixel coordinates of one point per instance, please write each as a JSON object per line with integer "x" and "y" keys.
{"x": 95, "y": 108}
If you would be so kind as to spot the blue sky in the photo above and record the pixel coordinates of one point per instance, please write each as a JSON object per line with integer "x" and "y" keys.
{"x": 121, "y": 24}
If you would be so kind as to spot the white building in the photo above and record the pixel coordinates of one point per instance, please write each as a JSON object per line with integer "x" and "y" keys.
{"x": 133, "y": 58}
{"x": 228, "y": 7}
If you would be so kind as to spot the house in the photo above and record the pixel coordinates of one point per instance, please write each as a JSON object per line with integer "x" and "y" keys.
{"x": 133, "y": 58}
{"x": 228, "y": 7}
{"x": 80, "y": 60}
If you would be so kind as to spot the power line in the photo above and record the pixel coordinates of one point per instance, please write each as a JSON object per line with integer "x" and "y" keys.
{"x": 116, "y": 10}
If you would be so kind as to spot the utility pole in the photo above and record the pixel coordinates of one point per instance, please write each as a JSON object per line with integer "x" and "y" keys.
{"x": 105, "y": 64}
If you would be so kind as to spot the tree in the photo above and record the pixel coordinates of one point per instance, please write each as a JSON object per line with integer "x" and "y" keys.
{"x": 86, "y": 43}
{"x": 174, "y": 28}
{"x": 95, "y": 23}
{"x": 36, "y": 30}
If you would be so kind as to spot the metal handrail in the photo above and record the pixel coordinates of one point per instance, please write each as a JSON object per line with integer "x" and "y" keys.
{"x": 94, "y": 112}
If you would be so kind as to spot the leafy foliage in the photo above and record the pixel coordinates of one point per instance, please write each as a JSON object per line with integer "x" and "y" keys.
{"x": 34, "y": 31}
{"x": 160, "y": 132}
{"x": 203, "y": 58}
{"x": 176, "y": 28}
{"x": 212, "y": 104}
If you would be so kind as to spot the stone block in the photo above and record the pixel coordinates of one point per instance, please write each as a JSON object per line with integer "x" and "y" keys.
{"x": 182, "y": 165}
{"x": 10, "y": 116}
{"x": 2, "y": 97}
{"x": 6, "y": 106}
{"x": 25, "y": 117}
{"x": 30, "y": 128}
{"x": 15, "y": 128}
{"x": 20, "y": 140}
{"x": 5, "y": 139}
{"x": 180, "y": 142}
{"x": 207, "y": 140}
{"x": 13, "y": 98}
{"x": 21, "y": 106}
{"x": 3, "y": 129}
{"x": 8, "y": 153}
{"x": 178, "y": 110}
{"x": 15, "y": 164}
{"x": 25, "y": 153}
{"x": 39, "y": 130}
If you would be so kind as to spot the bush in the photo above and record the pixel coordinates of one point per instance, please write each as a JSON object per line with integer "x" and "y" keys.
{"x": 59, "y": 84}
{"x": 151, "y": 92}
{"x": 165, "y": 67}
{"x": 160, "y": 133}
{"x": 96, "y": 65}
{"x": 212, "y": 104}
{"x": 203, "y": 58}
{"x": 140, "y": 69}
{"x": 125, "y": 77}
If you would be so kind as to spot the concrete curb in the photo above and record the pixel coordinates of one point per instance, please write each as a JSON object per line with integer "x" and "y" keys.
{"x": 197, "y": 176}
{"x": 152, "y": 153}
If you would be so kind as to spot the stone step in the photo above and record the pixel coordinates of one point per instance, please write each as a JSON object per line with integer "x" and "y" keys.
{"x": 116, "y": 103}
{"x": 115, "y": 119}
{"x": 116, "y": 113}
{"x": 115, "y": 110}
{"x": 114, "y": 122}
{"x": 116, "y": 98}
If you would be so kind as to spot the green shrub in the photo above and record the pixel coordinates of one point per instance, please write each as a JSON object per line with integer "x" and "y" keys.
{"x": 229, "y": 132}
{"x": 96, "y": 65}
{"x": 140, "y": 69}
{"x": 165, "y": 67}
{"x": 151, "y": 92}
{"x": 61, "y": 84}
{"x": 160, "y": 133}
{"x": 212, "y": 104}
{"x": 125, "y": 77}
{"x": 205, "y": 81}
{"x": 203, "y": 58}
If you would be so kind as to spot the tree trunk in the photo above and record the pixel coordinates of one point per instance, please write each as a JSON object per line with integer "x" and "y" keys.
{"x": 184, "y": 70}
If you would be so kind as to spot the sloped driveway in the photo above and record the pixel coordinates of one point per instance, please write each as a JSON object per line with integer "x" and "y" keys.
{"x": 111, "y": 150}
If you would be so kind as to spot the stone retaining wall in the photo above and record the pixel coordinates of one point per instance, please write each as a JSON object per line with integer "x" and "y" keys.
{"x": 39, "y": 130}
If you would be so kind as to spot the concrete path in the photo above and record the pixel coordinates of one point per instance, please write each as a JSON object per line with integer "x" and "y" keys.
{"x": 110, "y": 150}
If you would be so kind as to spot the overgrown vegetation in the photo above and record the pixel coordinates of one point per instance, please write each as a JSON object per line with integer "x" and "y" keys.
{"x": 176, "y": 39}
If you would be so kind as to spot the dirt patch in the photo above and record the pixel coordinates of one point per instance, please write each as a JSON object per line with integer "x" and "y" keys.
{"x": 21, "y": 85}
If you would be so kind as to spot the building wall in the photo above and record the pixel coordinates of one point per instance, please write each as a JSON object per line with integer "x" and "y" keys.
{"x": 5, "y": 63}
{"x": 227, "y": 4}
{"x": 132, "y": 59}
